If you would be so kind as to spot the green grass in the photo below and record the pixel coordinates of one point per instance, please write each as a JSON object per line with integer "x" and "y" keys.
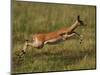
{"x": 30, "y": 18}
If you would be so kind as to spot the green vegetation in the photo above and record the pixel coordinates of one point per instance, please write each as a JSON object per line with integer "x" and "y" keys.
{"x": 29, "y": 18}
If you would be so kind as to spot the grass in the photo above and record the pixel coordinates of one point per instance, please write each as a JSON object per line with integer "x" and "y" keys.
{"x": 29, "y": 18}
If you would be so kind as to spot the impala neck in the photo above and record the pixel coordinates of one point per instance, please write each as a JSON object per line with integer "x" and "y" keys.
{"x": 74, "y": 26}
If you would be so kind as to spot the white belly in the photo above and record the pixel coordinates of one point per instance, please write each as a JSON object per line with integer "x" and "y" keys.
{"x": 53, "y": 40}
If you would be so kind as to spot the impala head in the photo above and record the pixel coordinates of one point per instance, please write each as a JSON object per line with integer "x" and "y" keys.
{"x": 80, "y": 22}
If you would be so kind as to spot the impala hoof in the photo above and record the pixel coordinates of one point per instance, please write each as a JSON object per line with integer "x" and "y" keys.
{"x": 23, "y": 52}
{"x": 27, "y": 40}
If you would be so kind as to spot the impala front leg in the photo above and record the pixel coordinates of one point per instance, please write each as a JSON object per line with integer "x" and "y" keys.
{"x": 66, "y": 36}
{"x": 79, "y": 36}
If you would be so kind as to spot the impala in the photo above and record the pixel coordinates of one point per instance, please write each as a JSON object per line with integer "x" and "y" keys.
{"x": 39, "y": 40}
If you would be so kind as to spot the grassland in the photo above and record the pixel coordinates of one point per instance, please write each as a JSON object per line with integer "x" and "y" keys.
{"x": 30, "y": 18}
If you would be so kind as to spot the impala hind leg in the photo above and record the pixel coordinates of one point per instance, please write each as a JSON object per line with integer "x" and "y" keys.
{"x": 36, "y": 44}
{"x": 23, "y": 51}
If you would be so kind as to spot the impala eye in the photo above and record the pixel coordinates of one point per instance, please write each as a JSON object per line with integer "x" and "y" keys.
{"x": 27, "y": 40}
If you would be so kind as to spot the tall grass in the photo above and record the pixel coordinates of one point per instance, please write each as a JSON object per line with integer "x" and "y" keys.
{"x": 29, "y": 18}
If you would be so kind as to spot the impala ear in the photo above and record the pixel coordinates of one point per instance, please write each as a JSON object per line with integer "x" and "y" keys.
{"x": 78, "y": 18}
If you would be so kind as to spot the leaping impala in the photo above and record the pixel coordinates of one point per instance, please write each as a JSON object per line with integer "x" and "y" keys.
{"x": 39, "y": 40}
